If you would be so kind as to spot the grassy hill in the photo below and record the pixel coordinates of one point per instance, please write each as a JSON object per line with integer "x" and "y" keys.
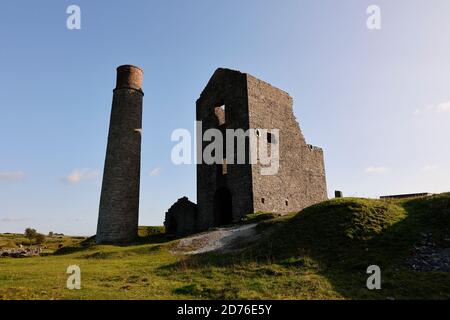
{"x": 321, "y": 252}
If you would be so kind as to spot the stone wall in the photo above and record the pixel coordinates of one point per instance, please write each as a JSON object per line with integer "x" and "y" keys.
{"x": 252, "y": 103}
{"x": 181, "y": 218}
{"x": 228, "y": 89}
{"x": 300, "y": 181}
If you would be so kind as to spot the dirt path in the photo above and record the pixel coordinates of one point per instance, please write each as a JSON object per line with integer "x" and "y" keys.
{"x": 218, "y": 240}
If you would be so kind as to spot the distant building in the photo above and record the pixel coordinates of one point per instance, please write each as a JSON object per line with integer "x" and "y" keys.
{"x": 410, "y": 195}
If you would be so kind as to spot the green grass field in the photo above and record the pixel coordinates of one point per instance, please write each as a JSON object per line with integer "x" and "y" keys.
{"x": 320, "y": 253}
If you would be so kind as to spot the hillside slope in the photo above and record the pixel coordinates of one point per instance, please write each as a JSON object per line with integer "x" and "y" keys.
{"x": 349, "y": 233}
{"x": 338, "y": 239}
{"x": 321, "y": 252}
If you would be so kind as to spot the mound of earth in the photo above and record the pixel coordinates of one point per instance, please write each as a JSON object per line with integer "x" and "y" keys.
{"x": 221, "y": 240}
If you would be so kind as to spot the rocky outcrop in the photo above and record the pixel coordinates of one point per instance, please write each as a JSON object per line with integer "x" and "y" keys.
{"x": 428, "y": 256}
{"x": 20, "y": 253}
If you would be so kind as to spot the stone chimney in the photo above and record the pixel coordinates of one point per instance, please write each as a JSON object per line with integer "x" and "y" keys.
{"x": 119, "y": 201}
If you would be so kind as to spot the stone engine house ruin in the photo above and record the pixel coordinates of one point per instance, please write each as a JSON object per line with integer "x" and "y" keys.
{"x": 226, "y": 193}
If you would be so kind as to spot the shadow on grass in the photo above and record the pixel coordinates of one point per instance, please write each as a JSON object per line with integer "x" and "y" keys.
{"x": 343, "y": 237}
{"x": 147, "y": 235}
{"x": 81, "y": 246}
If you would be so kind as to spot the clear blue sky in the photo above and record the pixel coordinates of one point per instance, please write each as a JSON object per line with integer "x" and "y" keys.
{"x": 376, "y": 101}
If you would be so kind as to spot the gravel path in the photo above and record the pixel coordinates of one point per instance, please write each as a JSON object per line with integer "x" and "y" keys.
{"x": 218, "y": 240}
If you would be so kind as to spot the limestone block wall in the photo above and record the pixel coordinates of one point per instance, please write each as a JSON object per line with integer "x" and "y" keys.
{"x": 251, "y": 103}
{"x": 229, "y": 89}
{"x": 300, "y": 180}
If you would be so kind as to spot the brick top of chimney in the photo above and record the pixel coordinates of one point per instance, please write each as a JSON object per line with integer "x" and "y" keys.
{"x": 129, "y": 76}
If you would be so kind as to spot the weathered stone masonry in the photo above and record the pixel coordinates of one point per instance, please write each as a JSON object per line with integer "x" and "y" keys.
{"x": 181, "y": 218}
{"x": 119, "y": 201}
{"x": 228, "y": 192}
{"x": 300, "y": 181}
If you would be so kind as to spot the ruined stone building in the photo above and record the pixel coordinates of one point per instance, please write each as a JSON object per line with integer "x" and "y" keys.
{"x": 228, "y": 192}
{"x": 181, "y": 218}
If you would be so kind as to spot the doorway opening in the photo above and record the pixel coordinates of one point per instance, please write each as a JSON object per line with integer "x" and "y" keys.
{"x": 172, "y": 227}
{"x": 223, "y": 207}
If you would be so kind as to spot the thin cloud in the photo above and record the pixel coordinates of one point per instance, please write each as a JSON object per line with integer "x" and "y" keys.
{"x": 79, "y": 175}
{"x": 11, "y": 175}
{"x": 155, "y": 172}
{"x": 430, "y": 168}
{"x": 376, "y": 170}
{"x": 437, "y": 108}
{"x": 12, "y": 219}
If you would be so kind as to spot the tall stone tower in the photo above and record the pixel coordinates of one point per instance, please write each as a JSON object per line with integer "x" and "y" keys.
{"x": 228, "y": 192}
{"x": 119, "y": 201}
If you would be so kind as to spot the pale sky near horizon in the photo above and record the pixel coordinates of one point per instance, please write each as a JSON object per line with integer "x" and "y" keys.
{"x": 376, "y": 101}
